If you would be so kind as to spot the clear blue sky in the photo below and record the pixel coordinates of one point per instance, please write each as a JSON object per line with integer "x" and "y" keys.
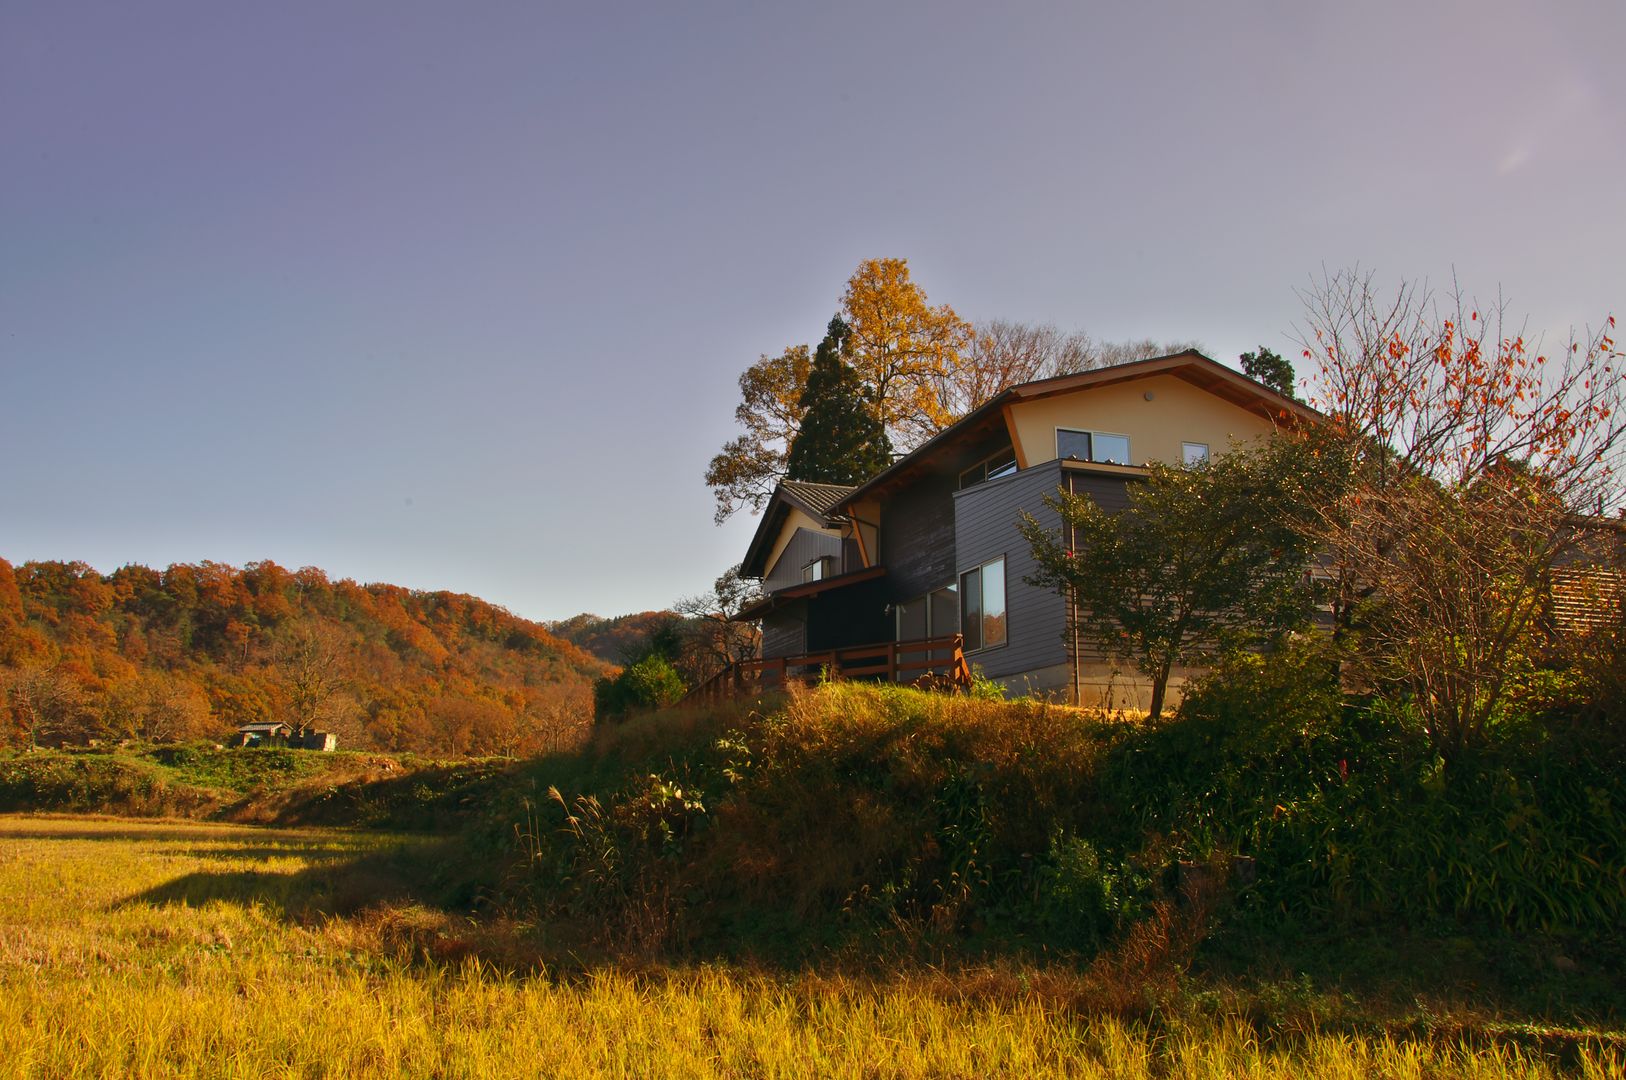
{"x": 455, "y": 295}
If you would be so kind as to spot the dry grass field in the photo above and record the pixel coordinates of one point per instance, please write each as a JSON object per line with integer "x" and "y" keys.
{"x": 159, "y": 949}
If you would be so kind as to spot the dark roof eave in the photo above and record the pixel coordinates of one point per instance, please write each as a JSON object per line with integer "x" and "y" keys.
{"x": 898, "y": 467}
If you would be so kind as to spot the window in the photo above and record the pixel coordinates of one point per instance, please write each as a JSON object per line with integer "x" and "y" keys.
{"x": 1000, "y": 464}
{"x": 1092, "y": 446}
{"x": 1194, "y": 453}
{"x": 936, "y": 614}
{"x": 982, "y": 605}
{"x": 817, "y": 570}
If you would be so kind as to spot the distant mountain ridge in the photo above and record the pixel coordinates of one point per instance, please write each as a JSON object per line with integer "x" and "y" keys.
{"x": 196, "y": 649}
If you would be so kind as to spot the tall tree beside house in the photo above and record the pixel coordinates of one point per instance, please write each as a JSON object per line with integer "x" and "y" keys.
{"x": 1271, "y": 369}
{"x": 1202, "y": 559}
{"x": 903, "y": 348}
{"x": 744, "y": 473}
{"x": 842, "y": 440}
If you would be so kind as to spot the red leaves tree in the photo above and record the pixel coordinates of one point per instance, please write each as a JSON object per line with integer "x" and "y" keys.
{"x": 1475, "y": 459}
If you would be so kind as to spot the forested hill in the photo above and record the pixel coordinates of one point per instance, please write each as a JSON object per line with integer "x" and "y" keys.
{"x": 195, "y": 650}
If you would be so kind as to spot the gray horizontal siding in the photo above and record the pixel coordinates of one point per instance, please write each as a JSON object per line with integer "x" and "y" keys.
{"x": 1110, "y": 493}
{"x": 805, "y": 546}
{"x": 985, "y": 527}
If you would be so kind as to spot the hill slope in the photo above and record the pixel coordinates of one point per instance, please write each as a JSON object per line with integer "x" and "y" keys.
{"x": 194, "y": 650}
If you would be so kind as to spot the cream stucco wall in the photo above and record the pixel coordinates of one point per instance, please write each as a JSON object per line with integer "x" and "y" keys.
{"x": 1178, "y": 412}
{"x": 867, "y": 514}
{"x": 796, "y": 519}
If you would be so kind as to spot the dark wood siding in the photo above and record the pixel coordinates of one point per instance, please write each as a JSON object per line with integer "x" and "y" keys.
{"x": 986, "y": 518}
{"x": 1109, "y": 492}
{"x": 782, "y": 631}
{"x": 805, "y": 546}
{"x": 917, "y": 538}
{"x": 847, "y": 616}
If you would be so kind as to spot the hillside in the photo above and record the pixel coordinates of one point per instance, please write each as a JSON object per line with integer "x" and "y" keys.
{"x": 192, "y": 651}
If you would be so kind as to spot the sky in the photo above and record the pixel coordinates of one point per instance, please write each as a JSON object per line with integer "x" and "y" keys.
{"x": 455, "y": 296}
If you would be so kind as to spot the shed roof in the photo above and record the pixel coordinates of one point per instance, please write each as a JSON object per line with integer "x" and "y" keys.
{"x": 261, "y": 727}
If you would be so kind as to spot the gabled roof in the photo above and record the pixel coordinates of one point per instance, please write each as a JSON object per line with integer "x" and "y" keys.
{"x": 814, "y": 500}
{"x": 1192, "y": 366}
{"x": 259, "y": 727}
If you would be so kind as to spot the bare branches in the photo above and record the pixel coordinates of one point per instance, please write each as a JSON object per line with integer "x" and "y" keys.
{"x": 1472, "y": 455}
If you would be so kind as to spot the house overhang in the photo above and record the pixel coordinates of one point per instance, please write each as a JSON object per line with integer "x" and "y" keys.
{"x": 776, "y": 600}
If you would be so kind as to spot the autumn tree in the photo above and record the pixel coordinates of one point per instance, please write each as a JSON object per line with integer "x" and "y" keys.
{"x": 744, "y": 474}
{"x": 1201, "y": 559}
{"x": 903, "y": 348}
{"x": 313, "y": 667}
{"x": 160, "y": 707}
{"x": 48, "y": 705}
{"x": 1270, "y": 368}
{"x": 842, "y": 440}
{"x": 1474, "y": 457}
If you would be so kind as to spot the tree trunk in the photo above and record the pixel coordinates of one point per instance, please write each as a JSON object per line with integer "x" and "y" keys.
{"x": 1160, "y": 687}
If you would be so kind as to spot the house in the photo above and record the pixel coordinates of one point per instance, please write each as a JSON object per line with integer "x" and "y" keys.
{"x": 930, "y": 547}
{"x": 276, "y": 733}
{"x": 271, "y": 733}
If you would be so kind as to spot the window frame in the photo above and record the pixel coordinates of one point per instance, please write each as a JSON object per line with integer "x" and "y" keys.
{"x": 1092, "y": 434}
{"x": 981, "y": 468}
{"x": 1185, "y": 454}
{"x": 980, "y": 570}
{"x": 928, "y": 598}
{"x": 822, "y": 563}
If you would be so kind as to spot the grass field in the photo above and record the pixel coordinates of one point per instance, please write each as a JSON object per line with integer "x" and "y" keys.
{"x": 145, "y": 949}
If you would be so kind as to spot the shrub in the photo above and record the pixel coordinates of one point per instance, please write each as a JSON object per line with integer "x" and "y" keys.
{"x": 649, "y": 684}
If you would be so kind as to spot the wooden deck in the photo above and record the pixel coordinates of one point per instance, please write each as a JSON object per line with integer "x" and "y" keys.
{"x": 936, "y": 661}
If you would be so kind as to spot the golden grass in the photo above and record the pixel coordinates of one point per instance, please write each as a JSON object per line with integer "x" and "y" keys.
{"x": 158, "y": 949}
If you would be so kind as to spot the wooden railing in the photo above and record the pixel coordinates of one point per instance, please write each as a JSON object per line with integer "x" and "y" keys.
{"x": 939, "y": 661}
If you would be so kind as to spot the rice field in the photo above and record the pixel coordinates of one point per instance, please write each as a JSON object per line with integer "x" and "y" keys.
{"x": 163, "y": 949}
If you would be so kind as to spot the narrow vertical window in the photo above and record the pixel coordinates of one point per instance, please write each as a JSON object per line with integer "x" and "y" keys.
{"x": 982, "y": 605}
{"x": 993, "y": 603}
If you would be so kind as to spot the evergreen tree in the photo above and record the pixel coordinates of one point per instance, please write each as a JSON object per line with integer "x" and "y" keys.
{"x": 842, "y": 439}
{"x": 1271, "y": 369}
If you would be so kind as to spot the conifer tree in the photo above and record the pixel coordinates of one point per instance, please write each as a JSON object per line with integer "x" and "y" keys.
{"x": 842, "y": 439}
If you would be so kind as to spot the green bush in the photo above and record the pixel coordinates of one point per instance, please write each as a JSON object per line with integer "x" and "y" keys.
{"x": 1351, "y": 812}
{"x": 649, "y": 684}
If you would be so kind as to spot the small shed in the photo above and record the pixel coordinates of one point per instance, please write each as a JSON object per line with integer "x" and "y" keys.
{"x": 264, "y": 734}
{"x": 320, "y": 740}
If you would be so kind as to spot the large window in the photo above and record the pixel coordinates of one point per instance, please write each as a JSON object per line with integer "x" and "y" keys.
{"x": 982, "y": 605}
{"x": 936, "y": 614}
{"x": 1100, "y": 446}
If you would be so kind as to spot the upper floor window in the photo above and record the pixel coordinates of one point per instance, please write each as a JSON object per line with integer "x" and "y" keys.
{"x": 818, "y": 569}
{"x": 1194, "y": 453}
{"x": 1102, "y": 446}
{"x": 990, "y": 468}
